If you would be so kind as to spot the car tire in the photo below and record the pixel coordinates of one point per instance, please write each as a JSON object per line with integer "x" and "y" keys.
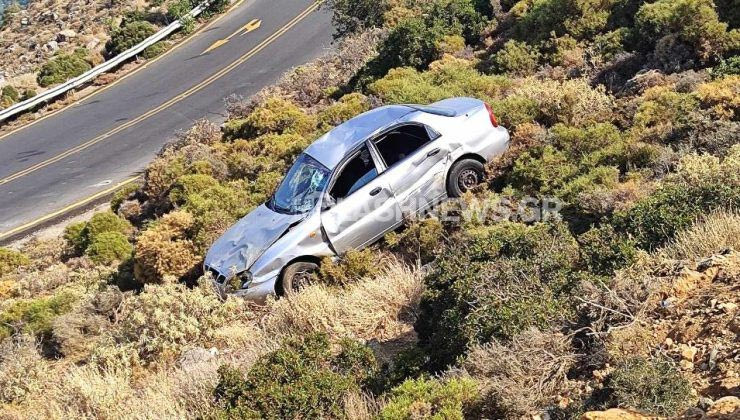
{"x": 464, "y": 175}
{"x": 297, "y": 276}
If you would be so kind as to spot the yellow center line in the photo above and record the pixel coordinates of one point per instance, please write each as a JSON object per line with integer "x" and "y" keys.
{"x": 80, "y": 203}
{"x": 167, "y": 104}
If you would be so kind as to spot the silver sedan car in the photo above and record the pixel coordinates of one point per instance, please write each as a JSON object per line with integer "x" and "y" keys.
{"x": 353, "y": 185}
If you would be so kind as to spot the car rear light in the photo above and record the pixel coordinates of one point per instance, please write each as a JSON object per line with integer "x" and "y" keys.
{"x": 491, "y": 115}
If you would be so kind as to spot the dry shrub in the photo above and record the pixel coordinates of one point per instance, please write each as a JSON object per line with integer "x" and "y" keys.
{"x": 352, "y": 266}
{"x": 43, "y": 252}
{"x": 164, "y": 250}
{"x": 522, "y": 377}
{"x": 313, "y": 83}
{"x": 370, "y": 309}
{"x": 573, "y": 102}
{"x": 713, "y": 233}
{"x": 11, "y": 261}
{"x": 722, "y": 96}
{"x": 21, "y": 368}
{"x": 163, "y": 320}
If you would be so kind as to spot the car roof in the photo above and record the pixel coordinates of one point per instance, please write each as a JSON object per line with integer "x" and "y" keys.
{"x": 330, "y": 148}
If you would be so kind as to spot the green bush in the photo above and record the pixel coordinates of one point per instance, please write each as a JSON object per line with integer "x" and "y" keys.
{"x": 727, "y": 67}
{"x": 516, "y": 58}
{"x": 34, "y": 316}
{"x": 122, "y": 195}
{"x": 352, "y": 266}
{"x": 350, "y": 16}
{"x": 606, "y": 251}
{"x": 495, "y": 282}
{"x": 128, "y": 35}
{"x": 76, "y": 237}
{"x": 190, "y": 184}
{"x": 304, "y": 378}
{"x": 347, "y": 107}
{"x": 430, "y": 399}
{"x": 155, "y": 50}
{"x": 63, "y": 67}
{"x": 11, "y": 260}
{"x": 109, "y": 247}
{"x": 693, "y": 22}
{"x": 8, "y": 96}
{"x": 542, "y": 170}
{"x": 106, "y": 221}
{"x": 274, "y": 116}
{"x": 653, "y": 386}
{"x": 419, "y": 240}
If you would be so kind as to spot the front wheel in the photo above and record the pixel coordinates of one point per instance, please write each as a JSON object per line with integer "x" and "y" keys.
{"x": 298, "y": 276}
{"x": 463, "y": 176}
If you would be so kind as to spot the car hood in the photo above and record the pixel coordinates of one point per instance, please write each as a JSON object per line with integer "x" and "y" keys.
{"x": 240, "y": 246}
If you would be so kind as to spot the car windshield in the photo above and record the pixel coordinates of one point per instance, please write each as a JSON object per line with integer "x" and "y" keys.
{"x": 301, "y": 188}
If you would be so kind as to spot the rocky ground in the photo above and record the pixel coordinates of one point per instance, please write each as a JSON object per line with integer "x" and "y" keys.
{"x": 31, "y": 36}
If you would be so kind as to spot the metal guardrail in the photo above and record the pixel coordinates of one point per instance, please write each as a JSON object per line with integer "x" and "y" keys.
{"x": 100, "y": 69}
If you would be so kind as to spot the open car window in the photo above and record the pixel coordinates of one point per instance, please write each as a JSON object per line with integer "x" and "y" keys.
{"x": 401, "y": 142}
{"x": 355, "y": 174}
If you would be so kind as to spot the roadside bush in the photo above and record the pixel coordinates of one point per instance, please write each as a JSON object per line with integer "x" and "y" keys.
{"x": 155, "y": 50}
{"x": 104, "y": 222}
{"x": 162, "y": 320}
{"x": 21, "y": 368}
{"x": 109, "y": 247}
{"x": 122, "y": 195}
{"x": 35, "y": 316}
{"x": 129, "y": 35}
{"x": 495, "y": 282}
{"x": 76, "y": 238}
{"x": 8, "y": 96}
{"x": 346, "y": 107}
{"x": 654, "y": 386}
{"x": 164, "y": 251}
{"x": 304, "y": 378}
{"x": 12, "y": 260}
{"x": 63, "y": 67}
{"x": 352, "y": 266}
{"x": 516, "y": 58}
{"x": 188, "y": 185}
{"x": 430, "y": 398}
{"x": 274, "y": 116}
{"x": 419, "y": 240}
{"x": 351, "y": 16}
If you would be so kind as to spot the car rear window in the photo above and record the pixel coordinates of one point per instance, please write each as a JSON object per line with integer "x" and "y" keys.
{"x": 402, "y": 141}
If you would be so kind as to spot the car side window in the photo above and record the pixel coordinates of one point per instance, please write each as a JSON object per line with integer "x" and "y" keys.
{"x": 402, "y": 141}
{"x": 356, "y": 173}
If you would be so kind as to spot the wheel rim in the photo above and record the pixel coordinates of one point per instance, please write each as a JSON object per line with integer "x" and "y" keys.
{"x": 301, "y": 280}
{"x": 468, "y": 179}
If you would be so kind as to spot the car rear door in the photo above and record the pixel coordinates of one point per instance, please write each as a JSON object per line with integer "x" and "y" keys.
{"x": 362, "y": 205}
{"x": 416, "y": 161}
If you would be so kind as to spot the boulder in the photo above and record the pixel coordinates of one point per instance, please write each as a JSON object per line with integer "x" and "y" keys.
{"x": 616, "y": 414}
{"x": 66, "y": 35}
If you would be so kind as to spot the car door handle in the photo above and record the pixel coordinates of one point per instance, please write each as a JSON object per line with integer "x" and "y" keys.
{"x": 375, "y": 191}
{"x": 433, "y": 152}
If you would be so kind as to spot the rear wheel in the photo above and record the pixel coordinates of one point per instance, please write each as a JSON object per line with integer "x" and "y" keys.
{"x": 297, "y": 276}
{"x": 463, "y": 176}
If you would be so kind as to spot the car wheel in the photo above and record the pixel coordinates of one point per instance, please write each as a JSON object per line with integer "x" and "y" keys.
{"x": 297, "y": 276}
{"x": 463, "y": 176}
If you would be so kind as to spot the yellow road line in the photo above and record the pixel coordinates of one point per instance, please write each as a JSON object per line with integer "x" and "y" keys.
{"x": 122, "y": 78}
{"x": 80, "y": 203}
{"x": 167, "y": 104}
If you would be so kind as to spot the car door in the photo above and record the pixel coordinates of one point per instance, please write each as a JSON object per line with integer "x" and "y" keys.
{"x": 416, "y": 161}
{"x": 361, "y": 206}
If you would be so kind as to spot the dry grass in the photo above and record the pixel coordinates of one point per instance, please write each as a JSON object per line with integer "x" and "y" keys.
{"x": 717, "y": 231}
{"x": 519, "y": 378}
{"x": 372, "y": 309}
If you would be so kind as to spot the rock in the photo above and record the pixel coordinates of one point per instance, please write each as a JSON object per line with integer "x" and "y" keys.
{"x": 195, "y": 356}
{"x": 51, "y": 47}
{"x": 728, "y": 307}
{"x": 25, "y": 21}
{"x": 688, "y": 352}
{"x": 725, "y": 408}
{"x": 615, "y": 414}
{"x": 66, "y": 35}
{"x": 686, "y": 365}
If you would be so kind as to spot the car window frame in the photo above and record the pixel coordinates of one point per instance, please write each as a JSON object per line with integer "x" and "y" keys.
{"x": 343, "y": 164}
{"x": 433, "y": 136}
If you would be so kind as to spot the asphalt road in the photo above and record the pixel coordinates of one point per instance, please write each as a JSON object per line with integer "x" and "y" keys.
{"x": 55, "y": 165}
